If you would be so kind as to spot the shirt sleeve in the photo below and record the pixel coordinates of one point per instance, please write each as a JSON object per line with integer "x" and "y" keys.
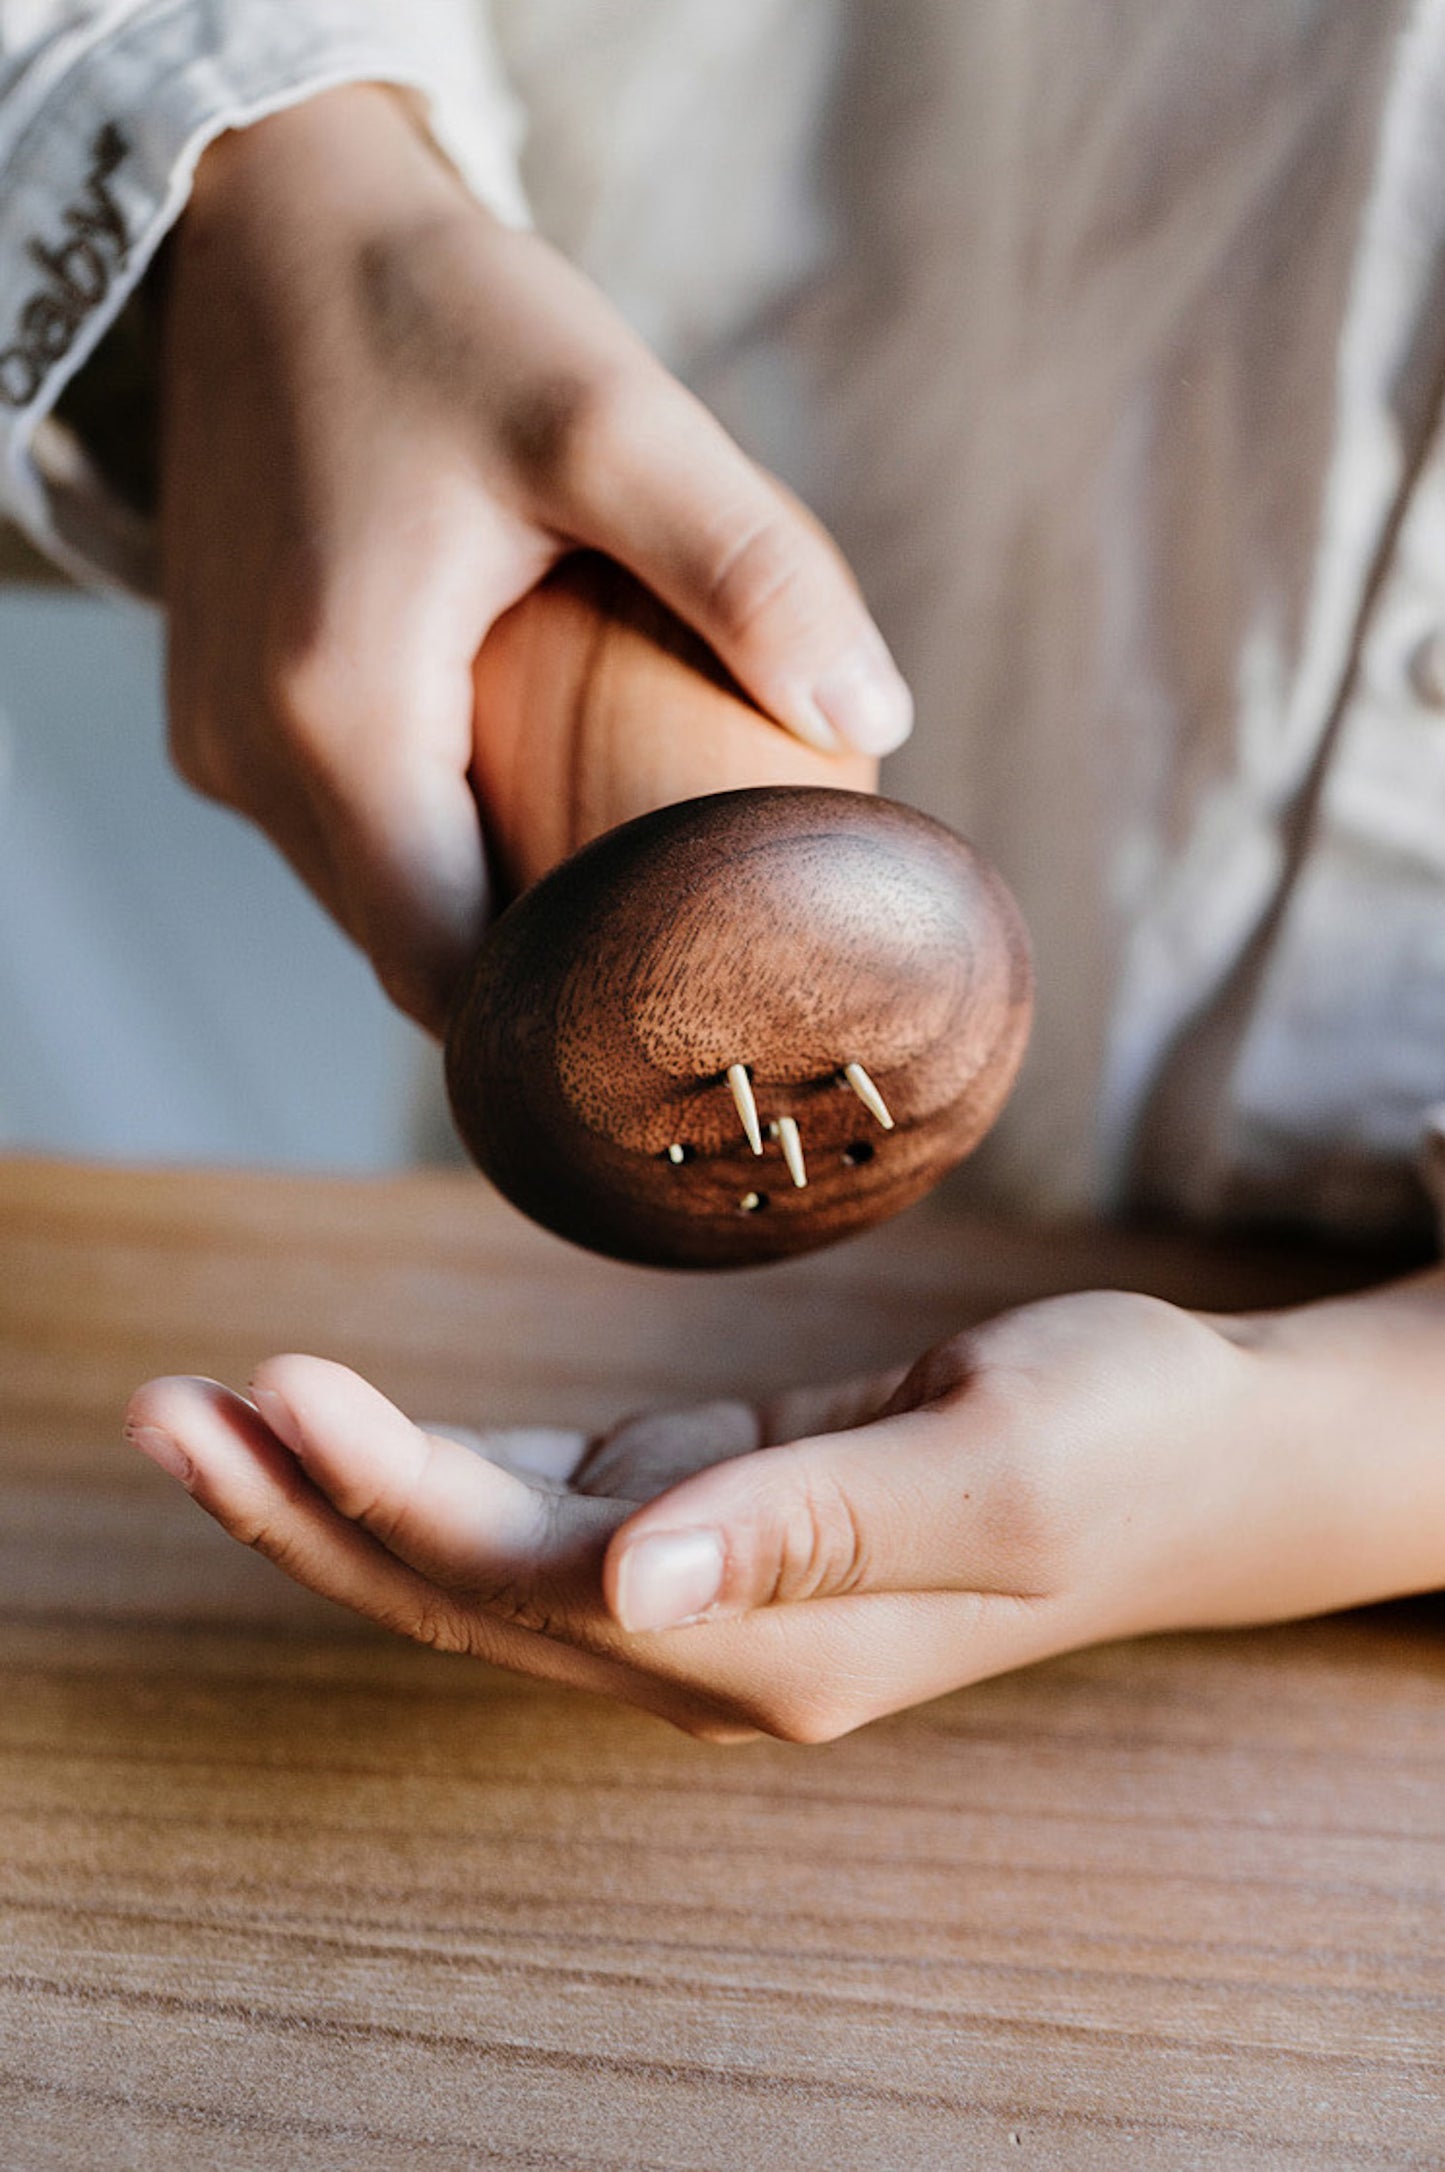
{"x": 105, "y": 109}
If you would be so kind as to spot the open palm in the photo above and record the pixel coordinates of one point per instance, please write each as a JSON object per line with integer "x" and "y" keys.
{"x": 1087, "y": 1467}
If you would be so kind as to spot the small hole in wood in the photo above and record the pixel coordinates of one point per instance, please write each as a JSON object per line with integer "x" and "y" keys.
{"x": 752, "y": 1202}
{"x": 858, "y": 1153}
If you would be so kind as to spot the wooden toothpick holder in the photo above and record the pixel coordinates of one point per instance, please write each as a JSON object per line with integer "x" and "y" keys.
{"x": 715, "y": 1030}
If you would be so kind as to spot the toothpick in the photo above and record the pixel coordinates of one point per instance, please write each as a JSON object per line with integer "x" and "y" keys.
{"x": 791, "y": 1141}
{"x": 747, "y": 1107}
{"x": 868, "y": 1093}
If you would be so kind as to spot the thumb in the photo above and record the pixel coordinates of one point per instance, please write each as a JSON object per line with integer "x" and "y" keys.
{"x": 918, "y": 1501}
{"x": 666, "y": 491}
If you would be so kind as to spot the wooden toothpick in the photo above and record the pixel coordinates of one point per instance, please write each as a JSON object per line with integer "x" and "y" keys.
{"x": 868, "y": 1093}
{"x": 747, "y": 1107}
{"x": 790, "y": 1139}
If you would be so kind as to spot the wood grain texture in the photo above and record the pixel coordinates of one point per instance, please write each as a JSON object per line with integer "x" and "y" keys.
{"x": 282, "y": 1895}
{"x": 600, "y": 708}
{"x": 597, "y": 704}
{"x": 789, "y": 930}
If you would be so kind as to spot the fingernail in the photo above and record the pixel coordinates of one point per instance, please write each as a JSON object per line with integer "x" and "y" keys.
{"x": 669, "y": 1580}
{"x": 866, "y": 700}
{"x": 161, "y": 1449}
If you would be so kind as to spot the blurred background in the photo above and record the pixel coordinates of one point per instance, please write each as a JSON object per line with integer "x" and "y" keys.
{"x": 168, "y": 991}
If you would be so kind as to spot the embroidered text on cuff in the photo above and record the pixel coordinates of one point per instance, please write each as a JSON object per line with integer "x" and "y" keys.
{"x": 78, "y": 271}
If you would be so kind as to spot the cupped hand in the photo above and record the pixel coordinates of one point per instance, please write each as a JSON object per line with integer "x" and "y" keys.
{"x": 1085, "y": 1468}
{"x": 385, "y": 415}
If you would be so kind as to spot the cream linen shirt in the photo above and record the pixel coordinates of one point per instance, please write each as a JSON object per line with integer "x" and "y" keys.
{"x": 1111, "y": 342}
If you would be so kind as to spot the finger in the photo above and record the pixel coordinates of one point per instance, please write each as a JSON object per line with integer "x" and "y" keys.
{"x": 237, "y": 1469}
{"x": 355, "y": 841}
{"x": 654, "y": 481}
{"x": 233, "y": 1465}
{"x": 925, "y": 1500}
{"x": 803, "y": 1673}
{"x": 524, "y": 1551}
{"x": 646, "y": 1454}
{"x": 412, "y": 877}
{"x": 281, "y": 808}
{"x": 376, "y": 702}
{"x": 484, "y": 1538}
{"x": 229, "y": 755}
{"x": 545, "y": 1455}
{"x": 407, "y": 874}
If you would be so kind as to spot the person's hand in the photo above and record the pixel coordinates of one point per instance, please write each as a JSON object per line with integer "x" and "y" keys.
{"x": 1085, "y": 1468}
{"x": 384, "y": 416}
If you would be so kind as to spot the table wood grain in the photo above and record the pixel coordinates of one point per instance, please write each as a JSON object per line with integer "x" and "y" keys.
{"x": 279, "y": 1892}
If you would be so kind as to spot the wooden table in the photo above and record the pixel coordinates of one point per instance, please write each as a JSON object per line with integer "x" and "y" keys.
{"x": 280, "y": 1892}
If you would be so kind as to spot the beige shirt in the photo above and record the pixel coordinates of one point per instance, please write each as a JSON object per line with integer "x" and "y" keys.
{"x": 1110, "y": 340}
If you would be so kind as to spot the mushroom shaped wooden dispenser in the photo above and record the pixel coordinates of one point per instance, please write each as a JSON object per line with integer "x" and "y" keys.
{"x": 712, "y": 1031}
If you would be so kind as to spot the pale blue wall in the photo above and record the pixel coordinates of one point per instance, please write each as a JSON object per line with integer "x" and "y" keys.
{"x": 167, "y": 989}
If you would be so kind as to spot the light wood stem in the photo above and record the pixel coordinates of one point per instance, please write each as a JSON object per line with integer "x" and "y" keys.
{"x": 596, "y": 704}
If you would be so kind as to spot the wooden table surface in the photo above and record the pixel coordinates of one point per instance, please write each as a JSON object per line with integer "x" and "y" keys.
{"x": 280, "y": 1892}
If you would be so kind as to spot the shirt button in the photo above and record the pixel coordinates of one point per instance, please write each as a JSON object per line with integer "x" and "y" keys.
{"x": 1427, "y": 670}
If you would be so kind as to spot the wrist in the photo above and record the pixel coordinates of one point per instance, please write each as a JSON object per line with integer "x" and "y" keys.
{"x": 1353, "y": 1410}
